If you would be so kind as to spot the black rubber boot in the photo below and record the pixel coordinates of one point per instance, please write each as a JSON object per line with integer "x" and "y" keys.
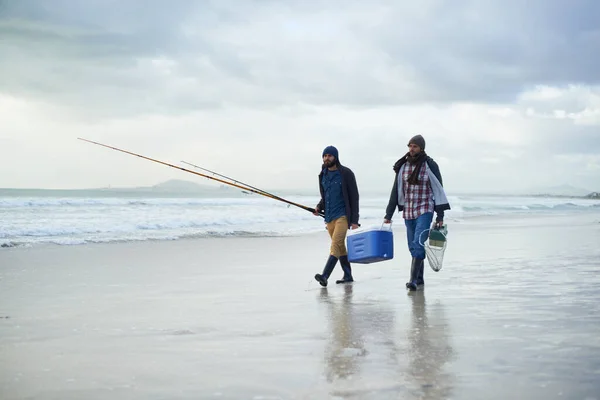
{"x": 329, "y": 266}
{"x": 420, "y": 280}
{"x": 414, "y": 272}
{"x": 347, "y": 270}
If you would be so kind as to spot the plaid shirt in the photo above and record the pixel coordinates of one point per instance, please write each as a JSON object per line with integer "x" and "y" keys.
{"x": 418, "y": 198}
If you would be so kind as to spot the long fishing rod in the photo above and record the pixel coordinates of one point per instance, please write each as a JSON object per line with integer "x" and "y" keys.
{"x": 264, "y": 192}
{"x": 233, "y": 180}
{"x": 203, "y": 175}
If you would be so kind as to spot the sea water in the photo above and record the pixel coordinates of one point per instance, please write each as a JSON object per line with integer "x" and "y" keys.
{"x": 32, "y": 217}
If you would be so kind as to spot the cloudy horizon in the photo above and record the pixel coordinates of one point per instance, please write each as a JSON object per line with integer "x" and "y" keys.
{"x": 506, "y": 94}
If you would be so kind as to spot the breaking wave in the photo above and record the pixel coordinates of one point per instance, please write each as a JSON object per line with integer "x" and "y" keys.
{"x": 28, "y": 221}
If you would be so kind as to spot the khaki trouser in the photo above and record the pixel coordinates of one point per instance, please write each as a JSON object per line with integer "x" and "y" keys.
{"x": 337, "y": 230}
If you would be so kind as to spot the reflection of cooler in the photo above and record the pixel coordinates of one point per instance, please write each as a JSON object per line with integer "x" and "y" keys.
{"x": 366, "y": 246}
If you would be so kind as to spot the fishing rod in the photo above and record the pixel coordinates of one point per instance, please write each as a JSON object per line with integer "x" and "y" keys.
{"x": 233, "y": 180}
{"x": 205, "y": 176}
{"x": 264, "y": 192}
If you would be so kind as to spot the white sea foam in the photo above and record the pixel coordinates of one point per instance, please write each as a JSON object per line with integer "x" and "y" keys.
{"x": 72, "y": 220}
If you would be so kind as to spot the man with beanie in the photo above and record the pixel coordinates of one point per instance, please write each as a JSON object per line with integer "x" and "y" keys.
{"x": 339, "y": 201}
{"x": 418, "y": 192}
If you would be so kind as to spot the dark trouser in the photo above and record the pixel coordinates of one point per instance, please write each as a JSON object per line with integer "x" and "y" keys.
{"x": 415, "y": 236}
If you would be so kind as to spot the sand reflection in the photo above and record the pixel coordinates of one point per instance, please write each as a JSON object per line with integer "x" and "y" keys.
{"x": 346, "y": 344}
{"x": 429, "y": 349}
{"x": 371, "y": 355}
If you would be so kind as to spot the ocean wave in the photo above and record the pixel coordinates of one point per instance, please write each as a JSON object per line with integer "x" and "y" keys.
{"x": 81, "y": 240}
{"x": 73, "y": 221}
{"x": 9, "y": 202}
{"x": 526, "y": 207}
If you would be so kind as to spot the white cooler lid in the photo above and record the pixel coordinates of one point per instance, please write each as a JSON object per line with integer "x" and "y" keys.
{"x": 370, "y": 228}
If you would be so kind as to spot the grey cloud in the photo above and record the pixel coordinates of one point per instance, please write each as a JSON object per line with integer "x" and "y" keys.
{"x": 490, "y": 50}
{"x": 265, "y": 53}
{"x": 88, "y": 54}
{"x": 569, "y": 100}
{"x": 562, "y": 137}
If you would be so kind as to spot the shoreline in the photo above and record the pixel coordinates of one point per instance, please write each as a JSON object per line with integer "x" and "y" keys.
{"x": 498, "y": 220}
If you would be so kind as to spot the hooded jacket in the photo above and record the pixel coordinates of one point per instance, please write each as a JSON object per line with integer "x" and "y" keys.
{"x": 349, "y": 191}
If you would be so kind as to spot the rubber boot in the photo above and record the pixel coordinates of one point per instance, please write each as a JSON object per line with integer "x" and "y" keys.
{"x": 347, "y": 270}
{"x": 329, "y": 266}
{"x": 420, "y": 280}
{"x": 414, "y": 272}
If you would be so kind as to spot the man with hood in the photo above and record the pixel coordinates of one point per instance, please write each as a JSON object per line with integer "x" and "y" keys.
{"x": 339, "y": 201}
{"x": 418, "y": 192}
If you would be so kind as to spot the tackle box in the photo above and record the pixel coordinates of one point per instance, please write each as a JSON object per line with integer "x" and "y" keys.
{"x": 437, "y": 237}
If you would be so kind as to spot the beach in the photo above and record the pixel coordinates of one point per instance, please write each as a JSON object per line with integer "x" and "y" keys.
{"x": 514, "y": 313}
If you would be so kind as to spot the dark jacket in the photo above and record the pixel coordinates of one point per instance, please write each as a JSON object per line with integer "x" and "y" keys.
{"x": 393, "y": 202}
{"x": 349, "y": 191}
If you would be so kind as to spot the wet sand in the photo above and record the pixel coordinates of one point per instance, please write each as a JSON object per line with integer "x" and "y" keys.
{"x": 514, "y": 313}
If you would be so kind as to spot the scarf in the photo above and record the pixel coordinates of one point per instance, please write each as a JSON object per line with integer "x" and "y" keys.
{"x": 417, "y": 160}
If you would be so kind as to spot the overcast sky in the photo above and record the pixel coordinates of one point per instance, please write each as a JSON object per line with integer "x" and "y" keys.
{"x": 506, "y": 93}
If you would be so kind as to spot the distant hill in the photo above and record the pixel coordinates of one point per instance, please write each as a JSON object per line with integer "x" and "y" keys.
{"x": 176, "y": 187}
{"x": 173, "y": 187}
{"x": 181, "y": 186}
{"x": 170, "y": 188}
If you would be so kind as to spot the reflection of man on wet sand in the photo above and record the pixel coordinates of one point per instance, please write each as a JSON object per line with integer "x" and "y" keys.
{"x": 347, "y": 344}
{"x": 363, "y": 358}
{"x": 429, "y": 350}
{"x": 358, "y": 354}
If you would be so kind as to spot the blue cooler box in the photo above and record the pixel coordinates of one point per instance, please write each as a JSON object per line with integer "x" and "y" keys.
{"x": 370, "y": 246}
